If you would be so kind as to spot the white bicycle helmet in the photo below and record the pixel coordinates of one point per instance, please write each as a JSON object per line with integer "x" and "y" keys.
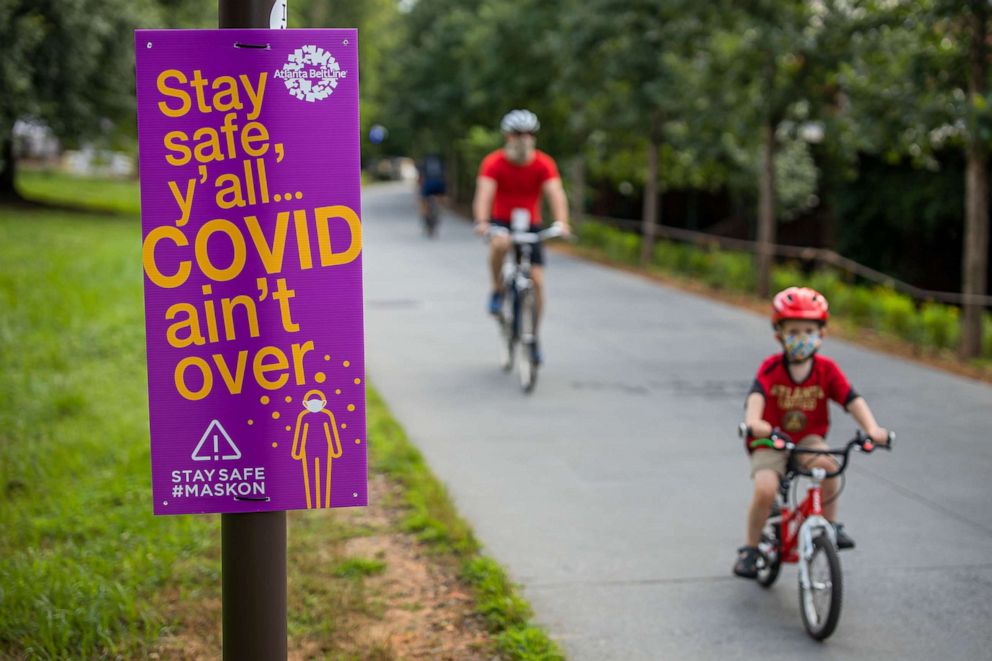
{"x": 519, "y": 121}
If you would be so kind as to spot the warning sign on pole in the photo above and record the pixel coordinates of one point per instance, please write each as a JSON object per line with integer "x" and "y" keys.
{"x": 252, "y": 255}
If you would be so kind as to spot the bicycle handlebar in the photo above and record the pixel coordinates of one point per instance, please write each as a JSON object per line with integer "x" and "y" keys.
{"x": 782, "y": 442}
{"x": 552, "y": 232}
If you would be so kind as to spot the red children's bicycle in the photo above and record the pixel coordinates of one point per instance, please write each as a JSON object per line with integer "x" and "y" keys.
{"x": 798, "y": 532}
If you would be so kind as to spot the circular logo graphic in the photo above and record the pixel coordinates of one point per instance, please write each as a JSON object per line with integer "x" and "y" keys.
{"x": 793, "y": 421}
{"x": 311, "y": 74}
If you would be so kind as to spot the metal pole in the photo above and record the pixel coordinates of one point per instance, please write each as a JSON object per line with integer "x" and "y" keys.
{"x": 253, "y": 546}
{"x": 251, "y": 13}
{"x": 253, "y": 568}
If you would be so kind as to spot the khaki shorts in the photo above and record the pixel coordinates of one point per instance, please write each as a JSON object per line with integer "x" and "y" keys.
{"x": 768, "y": 459}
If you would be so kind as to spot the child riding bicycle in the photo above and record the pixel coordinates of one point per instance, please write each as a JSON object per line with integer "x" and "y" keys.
{"x": 790, "y": 392}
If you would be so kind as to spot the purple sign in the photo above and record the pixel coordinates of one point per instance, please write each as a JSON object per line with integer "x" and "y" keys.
{"x": 251, "y": 246}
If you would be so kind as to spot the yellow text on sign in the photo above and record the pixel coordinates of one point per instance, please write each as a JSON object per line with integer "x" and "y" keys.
{"x": 272, "y": 253}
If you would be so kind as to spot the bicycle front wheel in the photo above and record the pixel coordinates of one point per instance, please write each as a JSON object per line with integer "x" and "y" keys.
{"x": 820, "y": 600}
{"x": 507, "y": 334}
{"x": 528, "y": 325}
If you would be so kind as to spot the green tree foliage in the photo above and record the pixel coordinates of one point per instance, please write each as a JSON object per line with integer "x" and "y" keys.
{"x": 920, "y": 84}
{"x": 773, "y": 66}
{"x": 461, "y": 65}
{"x": 376, "y": 21}
{"x": 70, "y": 64}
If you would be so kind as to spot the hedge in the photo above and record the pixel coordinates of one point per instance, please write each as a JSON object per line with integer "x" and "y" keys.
{"x": 930, "y": 324}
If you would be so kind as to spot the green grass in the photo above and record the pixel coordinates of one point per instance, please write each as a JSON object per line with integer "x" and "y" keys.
{"x": 81, "y": 556}
{"x": 117, "y": 196}
{"x": 86, "y": 570}
{"x": 359, "y": 567}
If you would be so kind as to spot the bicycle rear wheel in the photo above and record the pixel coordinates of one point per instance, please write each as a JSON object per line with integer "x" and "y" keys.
{"x": 820, "y": 601}
{"x": 432, "y": 216}
{"x": 769, "y": 563}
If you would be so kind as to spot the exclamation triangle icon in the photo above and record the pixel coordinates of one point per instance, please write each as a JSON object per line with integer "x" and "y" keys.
{"x": 213, "y": 442}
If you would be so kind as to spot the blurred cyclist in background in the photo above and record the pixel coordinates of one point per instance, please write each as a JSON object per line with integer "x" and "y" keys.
{"x": 431, "y": 185}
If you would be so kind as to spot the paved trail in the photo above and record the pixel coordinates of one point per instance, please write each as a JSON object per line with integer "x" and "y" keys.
{"x": 616, "y": 493}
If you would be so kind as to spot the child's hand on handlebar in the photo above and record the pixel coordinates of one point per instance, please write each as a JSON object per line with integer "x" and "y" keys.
{"x": 760, "y": 429}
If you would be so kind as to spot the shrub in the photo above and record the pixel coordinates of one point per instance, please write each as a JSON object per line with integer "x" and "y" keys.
{"x": 667, "y": 255}
{"x": 592, "y": 234}
{"x": 987, "y": 335}
{"x": 940, "y": 325}
{"x": 882, "y": 308}
{"x": 786, "y": 275}
{"x": 827, "y": 282}
{"x": 897, "y": 314}
{"x": 622, "y": 246}
{"x": 731, "y": 270}
{"x": 840, "y": 298}
{"x": 697, "y": 261}
{"x": 861, "y": 306}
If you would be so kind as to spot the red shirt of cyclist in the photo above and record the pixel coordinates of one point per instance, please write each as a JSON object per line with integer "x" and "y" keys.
{"x": 801, "y": 409}
{"x": 518, "y": 186}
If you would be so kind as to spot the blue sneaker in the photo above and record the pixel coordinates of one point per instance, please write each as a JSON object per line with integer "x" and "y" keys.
{"x": 495, "y": 303}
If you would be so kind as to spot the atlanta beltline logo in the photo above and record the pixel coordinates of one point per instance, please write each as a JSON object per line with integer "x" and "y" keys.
{"x": 311, "y": 73}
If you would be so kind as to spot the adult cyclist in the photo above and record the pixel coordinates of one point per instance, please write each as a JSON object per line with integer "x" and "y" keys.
{"x": 509, "y": 186}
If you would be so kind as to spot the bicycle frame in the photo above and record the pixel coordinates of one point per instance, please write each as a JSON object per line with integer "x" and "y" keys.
{"x": 520, "y": 281}
{"x": 798, "y": 525}
{"x": 517, "y": 267}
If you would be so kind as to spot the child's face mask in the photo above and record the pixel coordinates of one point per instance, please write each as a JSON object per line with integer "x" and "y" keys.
{"x": 801, "y": 346}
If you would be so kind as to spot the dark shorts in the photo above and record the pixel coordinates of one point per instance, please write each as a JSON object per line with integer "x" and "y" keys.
{"x": 432, "y": 187}
{"x": 537, "y": 249}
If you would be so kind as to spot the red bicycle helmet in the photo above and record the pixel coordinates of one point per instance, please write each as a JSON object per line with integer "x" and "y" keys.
{"x": 799, "y": 303}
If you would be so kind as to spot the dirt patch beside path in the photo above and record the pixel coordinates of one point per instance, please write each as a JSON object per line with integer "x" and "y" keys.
{"x": 405, "y": 602}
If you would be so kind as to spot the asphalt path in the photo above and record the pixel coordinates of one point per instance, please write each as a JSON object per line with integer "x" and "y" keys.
{"x": 615, "y": 494}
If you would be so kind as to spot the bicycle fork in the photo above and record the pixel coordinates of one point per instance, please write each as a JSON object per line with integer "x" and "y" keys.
{"x": 814, "y": 525}
{"x": 524, "y": 328}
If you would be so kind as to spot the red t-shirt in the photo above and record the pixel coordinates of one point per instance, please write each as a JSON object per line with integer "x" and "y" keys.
{"x": 800, "y": 409}
{"x": 518, "y": 186}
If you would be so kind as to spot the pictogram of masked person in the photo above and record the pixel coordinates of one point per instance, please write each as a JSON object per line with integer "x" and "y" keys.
{"x": 316, "y": 444}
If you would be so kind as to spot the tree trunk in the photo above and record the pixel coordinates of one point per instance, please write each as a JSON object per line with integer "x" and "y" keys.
{"x": 974, "y": 269}
{"x": 578, "y": 177}
{"x": 766, "y": 210}
{"x": 649, "y": 217}
{"x": 7, "y": 165}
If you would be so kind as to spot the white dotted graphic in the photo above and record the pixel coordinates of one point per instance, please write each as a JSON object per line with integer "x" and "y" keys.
{"x": 311, "y": 74}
